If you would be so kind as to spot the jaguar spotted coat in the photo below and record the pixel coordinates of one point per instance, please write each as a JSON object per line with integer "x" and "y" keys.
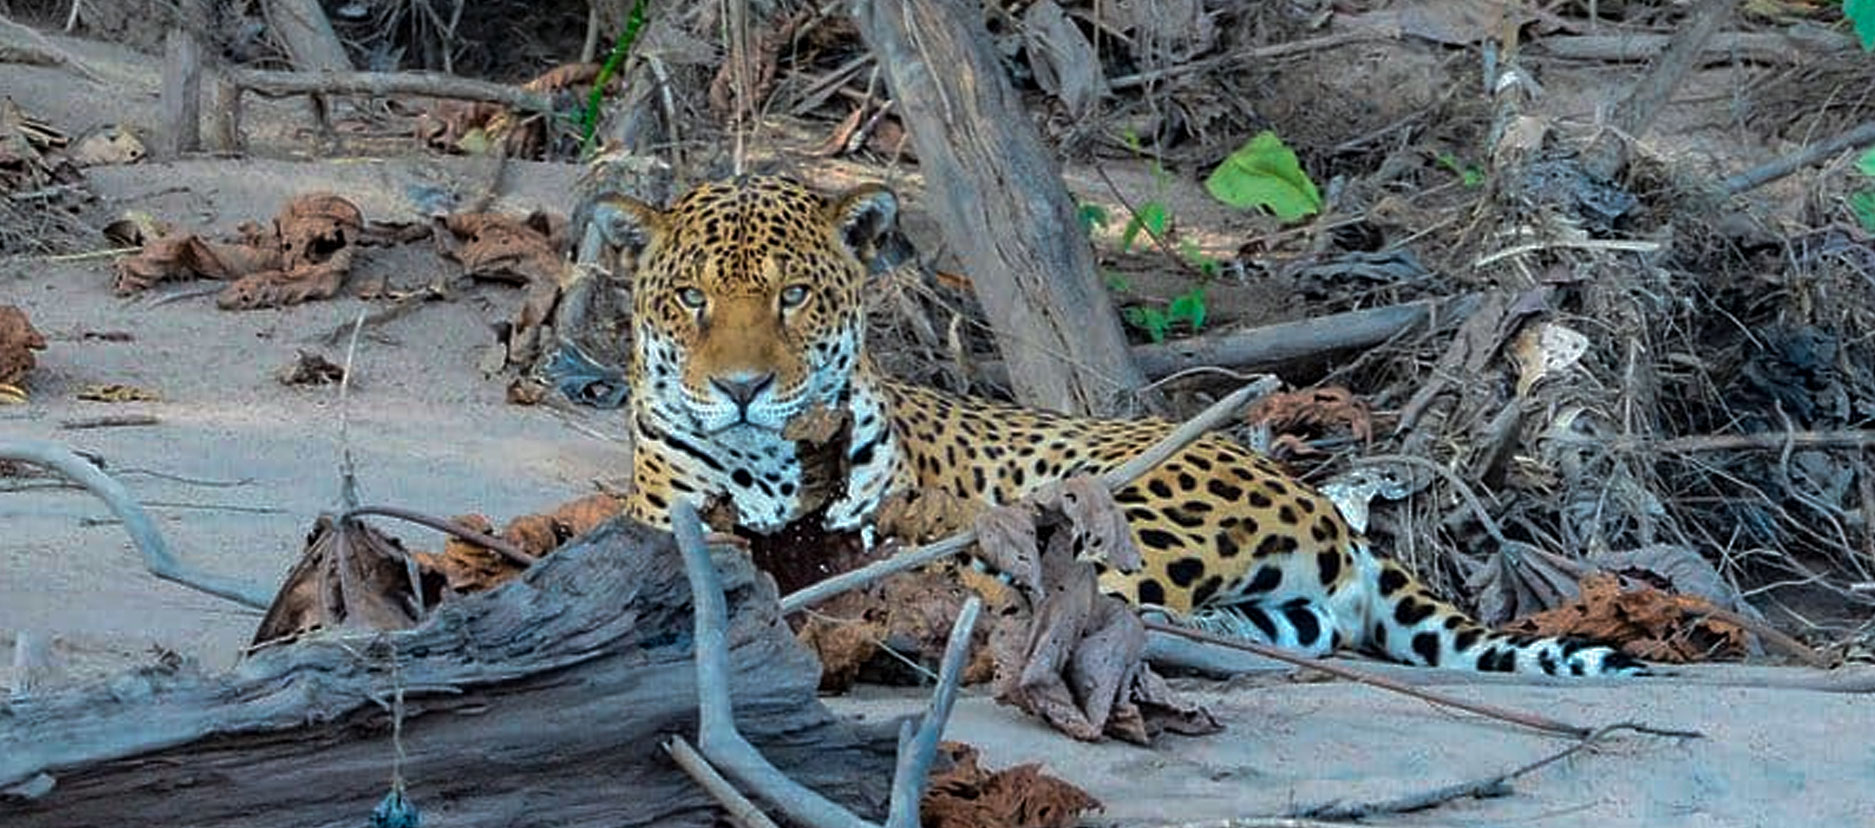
{"x": 747, "y": 313}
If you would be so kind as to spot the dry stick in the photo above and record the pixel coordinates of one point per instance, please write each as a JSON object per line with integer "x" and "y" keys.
{"x": 716, "y": 726}
{"x": 268, "y": 82}
{"x": 716, "y": 729}
{"x": 1114, "y": 479}
{"x": 1773, "y": 636}
{"x": 1494, "y": 786}
{"x": 501, "y": 546}
{"x": 110, "y": 421}
{"x": 1284, "y": 341}
{"x": 156, "y": 555}
{"x": 33, "y": 48}
{"x": 741, "y": 811}
{"x": 1758, "y": 176}
{"x": 917, "y": 752}
{"x": 1635, "y": 112}
{"x": 1788, "y": 46}
{"x": 1530, "y": 720}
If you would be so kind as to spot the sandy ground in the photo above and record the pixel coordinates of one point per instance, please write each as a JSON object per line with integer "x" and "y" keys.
{"x": 429, "y": 432}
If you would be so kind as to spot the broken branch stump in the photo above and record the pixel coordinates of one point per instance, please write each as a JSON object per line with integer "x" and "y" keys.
{"x": 542, "y": 702}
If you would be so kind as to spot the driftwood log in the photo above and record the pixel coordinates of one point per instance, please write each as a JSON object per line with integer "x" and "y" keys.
{"x": 543, "y": 702}
{"x": 998, "y": 196}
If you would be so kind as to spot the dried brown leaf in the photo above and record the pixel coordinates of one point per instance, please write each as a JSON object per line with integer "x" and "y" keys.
{"x": 1313, "y": 411}
{"x": 1645, "y": 621}
{"x": 348, "y": 576}
{"x": 1077, "y": 660}
{"x": 18, "y": 340}
{"x": 963, "y": 795}
{"x": 278, "y": 288}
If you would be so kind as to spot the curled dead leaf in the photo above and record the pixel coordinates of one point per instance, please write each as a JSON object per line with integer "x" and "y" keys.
{"x": 1545, "y": 349}
{"x": 311, "y": 368}
{"x": 1076, "y": 659}
{"x": 1645, "y": 621}
{"x": 305, "y": 254}
{"x": 470, "y": 567}
{"x": 18, "y": 340}
{"x": 961, "y": 794}
{"x": 1313, "y": 411}
{"x": 349, "y": 575}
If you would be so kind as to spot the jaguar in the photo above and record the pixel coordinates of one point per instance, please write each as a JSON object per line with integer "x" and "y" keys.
{"x": 747, "y": 313}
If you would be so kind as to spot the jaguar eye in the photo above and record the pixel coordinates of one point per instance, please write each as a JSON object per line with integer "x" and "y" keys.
{"x": 692, "y": 298}
{"x": 793, "y": 295}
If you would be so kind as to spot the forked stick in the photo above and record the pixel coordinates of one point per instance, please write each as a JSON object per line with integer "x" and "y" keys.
{"x": 1114, "y": 479}
{"x": 156, "y": 555}
{"x": 719, "y": 740}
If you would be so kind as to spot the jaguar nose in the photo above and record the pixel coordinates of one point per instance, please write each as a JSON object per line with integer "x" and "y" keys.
{"x": 742, "y": 387}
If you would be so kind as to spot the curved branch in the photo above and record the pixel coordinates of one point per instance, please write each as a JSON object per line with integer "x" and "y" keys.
{"x": 156, "y": 555}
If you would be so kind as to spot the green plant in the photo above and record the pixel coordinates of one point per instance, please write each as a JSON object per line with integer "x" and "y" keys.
{"x": 1861, "y": 15}
{"x": 1468, "y": 174}
{"x": 1862, "y": 202}
{"x": 1264, "y": 173}
{"x": 1090, "y": 217}
{"x": 589, "y": 124}
{"x": 1150, "y": 216}
{"x": 1187, "y": 307}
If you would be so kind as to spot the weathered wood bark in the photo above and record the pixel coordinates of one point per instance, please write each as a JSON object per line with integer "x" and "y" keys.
{"x": 540, "y": 703}
{"x": 182, "y": 94}
{"x": 999, "y": 198}
{"x": 308, "y": 36}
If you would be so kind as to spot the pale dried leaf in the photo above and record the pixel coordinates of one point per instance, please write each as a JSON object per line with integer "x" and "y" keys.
{"x": 1545, "y": 349}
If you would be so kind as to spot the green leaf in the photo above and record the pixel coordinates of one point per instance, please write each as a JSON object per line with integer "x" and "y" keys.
{"x": 1866, "y": 164}
{"x": 1150, "y": 320}
{"x": 1863, "y": 205}
{"x": 1151, "y": 216}
{"x": 1265, "y": 173}
{"x": 1091, "y": 216}
{"x": 1189, "y": 307}
{"x": 1862, "y": 14}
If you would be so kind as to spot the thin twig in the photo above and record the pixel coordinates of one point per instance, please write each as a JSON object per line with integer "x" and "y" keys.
{"x": 1763, "y": 174}
{"x": 110, "y": 421}
{"x": 501, "y": 546}
{"x": 384, "y": 84}
{"x": 716, "y": 726}
{"x": 1493, "y": 786}
{"x": 1530, "y": 720}
{"x": 106, "y": 253}
{"x": 156, "y": 555}
{"x": 1626, "y": 245}
{"x": 1118, "y": 477}
{"x": 741, "y": 810}
{"x": 1771, "y": 440}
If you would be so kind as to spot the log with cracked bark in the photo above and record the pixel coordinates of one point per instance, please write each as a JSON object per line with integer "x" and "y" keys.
{"x": 541, "y": 702}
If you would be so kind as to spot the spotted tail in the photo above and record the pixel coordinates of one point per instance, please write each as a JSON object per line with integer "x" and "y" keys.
{"x": 1405, "y": 623}
{"x": 1384, "y": 611}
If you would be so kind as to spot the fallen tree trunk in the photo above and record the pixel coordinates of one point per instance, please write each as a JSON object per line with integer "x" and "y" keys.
{"x": 1270, "y": 346}
{"x": 542, "y": 702}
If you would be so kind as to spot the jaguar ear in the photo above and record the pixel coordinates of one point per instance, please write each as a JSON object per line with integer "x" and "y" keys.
{"x": 621, "y": 221}
{"x": 863, "y": 215}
